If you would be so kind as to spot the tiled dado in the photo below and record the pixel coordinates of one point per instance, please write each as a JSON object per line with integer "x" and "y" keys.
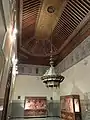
{"x": 80, "y": 52}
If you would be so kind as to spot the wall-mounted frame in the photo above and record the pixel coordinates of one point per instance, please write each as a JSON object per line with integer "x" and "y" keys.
{"x": 35, "y": 106}
{"x": 70, "y": 107}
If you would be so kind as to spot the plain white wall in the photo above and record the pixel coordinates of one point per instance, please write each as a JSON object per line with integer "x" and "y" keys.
{"x": 27, "y": 85}
{"x": 77, "y": 79}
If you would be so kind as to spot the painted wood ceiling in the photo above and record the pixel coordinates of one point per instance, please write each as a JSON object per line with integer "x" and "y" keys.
{"x": 64, "y": 24}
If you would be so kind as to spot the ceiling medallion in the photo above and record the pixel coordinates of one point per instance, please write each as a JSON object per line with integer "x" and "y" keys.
{"x": 51, "y": 9}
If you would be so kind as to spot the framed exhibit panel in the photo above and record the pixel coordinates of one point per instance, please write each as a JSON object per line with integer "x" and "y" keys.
{"x": 35, "y": 106}
{"x": 70, "y": 107}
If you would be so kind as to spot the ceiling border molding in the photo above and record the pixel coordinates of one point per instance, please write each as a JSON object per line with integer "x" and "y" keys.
{"x": 28, "y": 69}
{"x": 78, "y": 54}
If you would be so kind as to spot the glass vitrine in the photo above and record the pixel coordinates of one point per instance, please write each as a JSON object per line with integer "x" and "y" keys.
{"x": 70, "y": 107}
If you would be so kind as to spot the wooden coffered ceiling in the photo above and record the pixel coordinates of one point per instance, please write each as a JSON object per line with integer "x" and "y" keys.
{"x": 62, "y": 23}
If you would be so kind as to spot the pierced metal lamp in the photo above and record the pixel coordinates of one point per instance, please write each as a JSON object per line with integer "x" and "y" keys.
{"x": 51, "y": 79}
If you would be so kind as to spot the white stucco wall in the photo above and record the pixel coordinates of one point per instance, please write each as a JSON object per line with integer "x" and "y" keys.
{"x": 27, "y": 85}
{"x": 77, "y": 79}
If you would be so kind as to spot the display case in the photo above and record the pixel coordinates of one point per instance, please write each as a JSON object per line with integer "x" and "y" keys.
{"x": 35, "y": 106}
{"x": 70, "y": 107}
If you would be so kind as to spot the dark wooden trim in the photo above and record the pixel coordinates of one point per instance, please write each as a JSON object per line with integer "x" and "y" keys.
{"x": 31, "y": 117}
{"x": 6, "y": 96}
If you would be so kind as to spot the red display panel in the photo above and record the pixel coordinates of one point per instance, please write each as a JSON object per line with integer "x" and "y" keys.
{"x": 67, "y": 104}
{"x": 70, "y": 107}
{"x": 35, "y": 106}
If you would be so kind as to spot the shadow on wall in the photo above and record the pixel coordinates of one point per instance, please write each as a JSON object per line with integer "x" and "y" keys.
{"x": 76, "y": 90}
